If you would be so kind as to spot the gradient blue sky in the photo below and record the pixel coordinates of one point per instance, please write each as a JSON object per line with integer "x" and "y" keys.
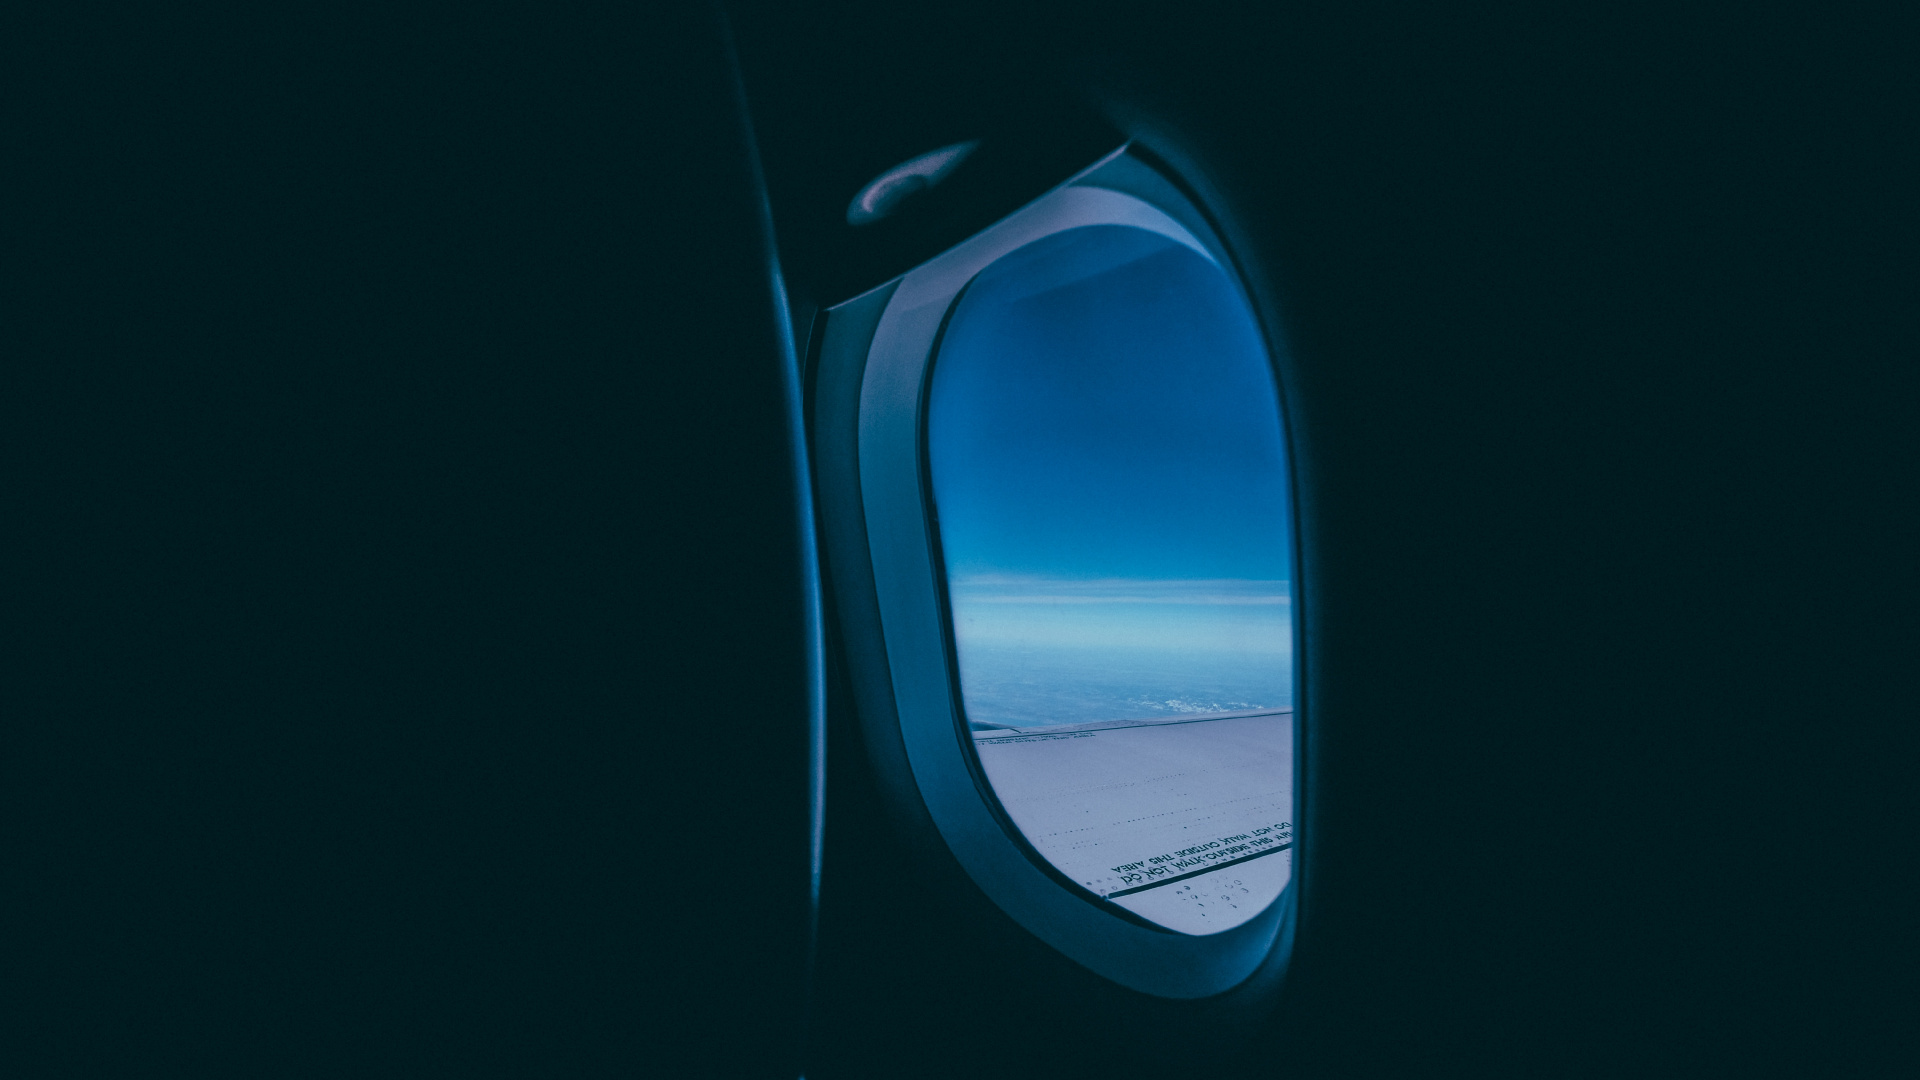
{"x": 1106, "y": 455}
{"x": 1102, "y": 408}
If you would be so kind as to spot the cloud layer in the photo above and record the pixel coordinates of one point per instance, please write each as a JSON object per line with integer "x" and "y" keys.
{"x": 1212, "y": 615}
{"x": 1197, "y": 592}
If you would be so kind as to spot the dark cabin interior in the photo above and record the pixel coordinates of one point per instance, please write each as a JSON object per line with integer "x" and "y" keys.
{"x": 412, "y": 595}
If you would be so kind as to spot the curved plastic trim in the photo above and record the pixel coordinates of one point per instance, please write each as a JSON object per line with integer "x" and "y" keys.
{"x": 891, "y": 188}
{"x": 1146, "y": 959}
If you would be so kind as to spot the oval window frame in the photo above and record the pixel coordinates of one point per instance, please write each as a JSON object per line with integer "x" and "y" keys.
{"x": 915, "y": 627}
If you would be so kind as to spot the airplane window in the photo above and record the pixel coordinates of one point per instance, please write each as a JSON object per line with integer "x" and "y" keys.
{"x": 1109, "y": 480}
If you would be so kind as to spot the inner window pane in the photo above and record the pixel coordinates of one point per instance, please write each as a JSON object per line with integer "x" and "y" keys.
{"x": 1110, "y": 481}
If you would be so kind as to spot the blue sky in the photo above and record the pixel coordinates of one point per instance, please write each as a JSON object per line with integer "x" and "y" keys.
{"x": 1106, "y": 454}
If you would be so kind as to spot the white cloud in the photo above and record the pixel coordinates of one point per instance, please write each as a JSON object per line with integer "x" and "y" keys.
{"x": 1198, "y": 592}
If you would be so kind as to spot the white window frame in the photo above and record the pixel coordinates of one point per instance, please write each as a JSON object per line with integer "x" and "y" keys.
{"x": 1120, "y": 190}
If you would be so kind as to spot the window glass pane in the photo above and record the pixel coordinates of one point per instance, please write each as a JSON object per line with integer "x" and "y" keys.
{"x": 1109, "y": 479}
